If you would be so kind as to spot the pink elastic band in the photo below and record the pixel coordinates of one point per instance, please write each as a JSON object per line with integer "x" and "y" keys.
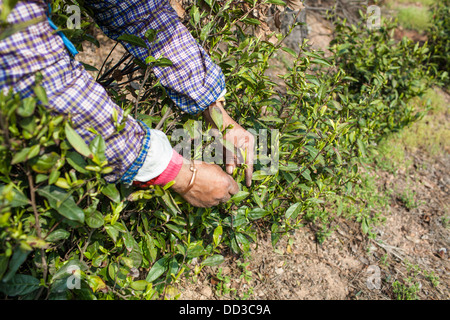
{"x": 168, "y": 175}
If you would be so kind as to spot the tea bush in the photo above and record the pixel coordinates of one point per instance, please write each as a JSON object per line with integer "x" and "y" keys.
{"x": 67, "y": 234}
{"x": 439, "y": 40}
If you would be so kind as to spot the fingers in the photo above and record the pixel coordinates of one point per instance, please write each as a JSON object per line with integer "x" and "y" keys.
{"x": 233, "y": 187}
{"x": 249, "y": 174}
{"x": 230, "y": 168}
{"x": 249, "y": 161}
{"x": 230, "y": 155}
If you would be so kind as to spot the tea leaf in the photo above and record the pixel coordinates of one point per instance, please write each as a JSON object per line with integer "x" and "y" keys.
{"x": 77, "y": 142}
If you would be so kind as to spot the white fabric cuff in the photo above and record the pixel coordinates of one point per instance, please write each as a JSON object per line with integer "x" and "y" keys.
{"x": 158, "y": 157}
{"x": 224, "y": 92}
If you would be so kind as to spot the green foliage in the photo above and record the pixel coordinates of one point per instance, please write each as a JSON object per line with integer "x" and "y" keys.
{"x": 414, "y": 18}
{"x": 439, "y": 40}
{"x": 61, "y": 224}
{"x": 406, "y": 291}
{"x": 386, "y": 73}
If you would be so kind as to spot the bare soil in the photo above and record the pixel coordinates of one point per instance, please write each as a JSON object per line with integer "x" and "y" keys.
{"x": 410, "y": 247}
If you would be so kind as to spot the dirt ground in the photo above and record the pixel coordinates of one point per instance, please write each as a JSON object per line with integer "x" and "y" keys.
{"x": 410, "y": 247}
{"x": 410, "y": 244}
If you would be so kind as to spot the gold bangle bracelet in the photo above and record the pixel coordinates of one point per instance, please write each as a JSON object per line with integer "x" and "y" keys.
{"x": 194, "y": 173}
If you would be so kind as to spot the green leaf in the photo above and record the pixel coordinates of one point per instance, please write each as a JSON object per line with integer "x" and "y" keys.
{"x": 94, "y": 219}
{"x": 175, "y": 228}
{"x": 173, "y": 267}
{"x": 18, "y": 198}
{"x": 364, "y": 226}
{"x": 3, "y": 264}
{"x": 112, "y": 232}
{"x": 128, "y": 240}
{"x": 139, "y": 285}
{"x": 258, "y": 200}
{"x": 163, "y": 62}
{"x": 335, "y": 105}
{"x": 88, "y": 67}
{"x": 19, "y": 285}
{"x": 133, "y": 40}
{"x": 26, "y": 154}
{"x": 135, "y": 255}
{"x": 362, "y": 147}
{"x": 214, "y": 260}
{"x": 150, "y": 59}
{"x": 195, "y": 249}
{"x": 290, "y": 51}
{"x": 259, "y": 175}
{"x": 27, "y": 107}
{"x": 293, "y": 210}
{"x": 321, "y": 61}
{"x": 257, "y": 213}
{"x": 274, "y": 235}
{"x": 111, "y": 192}
{"x": 53, "y": 177}
{"x": 240, "y": 219}
{"x": 270, "y": 119}
{"x": 57, "y": 235}
{"x": 76, "y": 161}
{"x": 252, "y": 21}
{"x": 290, "y": 166}
{"x": 158, "y": 268}
{"x": 65, "y": 270}
{"x": 17, "y": 27}
{"x": 217, "y": 235}
{"x": 41, "y": 94}
{"x": 206, "y": 30}
{"x": 306, "y": 175}
{"x": 217, "y": 117}
{"x": 77, "y": 142}
{"x": 195, "y": 14}
{"x": 277, "y": 2}
{"x": 19, "y": 256}
{"x": 241, "y": 195}
{"x": 98, "y": 148}
{"x": 62, "y": 202}
{"x": 151, "y": 34}
{"x": 312, "y": 151}
{"x": 44, "y": 163}
{"x": 7, "y": 7}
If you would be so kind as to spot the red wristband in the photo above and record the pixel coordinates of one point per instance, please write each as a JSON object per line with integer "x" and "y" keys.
{"x": 168, "y": 175}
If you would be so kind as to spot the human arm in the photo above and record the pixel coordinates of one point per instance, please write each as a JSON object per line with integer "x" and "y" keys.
{"x": 71, "y": 91}
{"x": 242, "y": 140}
{"x": 193, "y": 82}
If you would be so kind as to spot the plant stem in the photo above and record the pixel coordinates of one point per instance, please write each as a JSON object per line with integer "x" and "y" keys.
{"x": 38, "y": 230}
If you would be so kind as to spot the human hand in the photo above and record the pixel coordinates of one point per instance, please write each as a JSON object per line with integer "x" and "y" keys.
{"x": 211, "y": 185}
{"x": 242, "y": 140}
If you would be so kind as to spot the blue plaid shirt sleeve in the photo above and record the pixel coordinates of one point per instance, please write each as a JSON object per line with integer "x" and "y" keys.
{"x": 194, "y": 81}
{"x": 70, "y": 89}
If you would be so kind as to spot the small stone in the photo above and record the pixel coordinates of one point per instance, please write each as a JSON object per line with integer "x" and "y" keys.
{"x": 207, "y": 292}
{"x": 442, "y": 252}
{"x": 226, "y": 270}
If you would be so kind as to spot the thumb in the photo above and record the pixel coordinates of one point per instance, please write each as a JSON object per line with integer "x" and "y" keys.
{"x": 234, "y": 187}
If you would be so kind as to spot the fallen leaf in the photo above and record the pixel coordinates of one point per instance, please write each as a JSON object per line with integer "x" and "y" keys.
{"x": 277, "y": 20}
{"x": 176, "y": 5}
{"x": 295, "y": 4}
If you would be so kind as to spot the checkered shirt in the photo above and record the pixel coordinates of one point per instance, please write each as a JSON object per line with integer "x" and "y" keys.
{"x": 193, "y": 81}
